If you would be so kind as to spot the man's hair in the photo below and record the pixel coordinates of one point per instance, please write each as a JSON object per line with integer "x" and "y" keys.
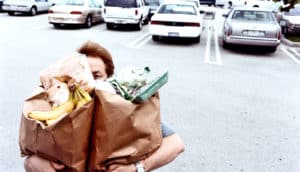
{"x": 94, "y": 49}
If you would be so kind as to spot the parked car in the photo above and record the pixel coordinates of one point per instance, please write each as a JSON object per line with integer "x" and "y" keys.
{"x": 31, "y": 7}
{"x": 1, "y": 3}
{"x": 208, "y": 2}
{"x": 290, "y": 21}
{"x": 259, "y": 3}
{"x": 76, "y": 12}
{"x": 125, "y": 12}
{"x": 251, "y": 26}
{"x": 234, "y": 3}
{"x": 153, "y": 6}
{"x": 179, "y": 19}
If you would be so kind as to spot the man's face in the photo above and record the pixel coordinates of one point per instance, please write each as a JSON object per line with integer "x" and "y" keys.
{"x": 97, "y": 67}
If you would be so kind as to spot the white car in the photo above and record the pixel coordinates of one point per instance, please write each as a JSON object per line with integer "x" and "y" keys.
{"x": 260, "y": 3}
{"x": 177, "y": 19}
{"x": 31, "y": 7}
{"x": 125, "y": 12}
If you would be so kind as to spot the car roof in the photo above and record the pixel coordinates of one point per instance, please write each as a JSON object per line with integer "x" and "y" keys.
{"x": 178, "y": 2}
{"x": 249, "y": 8}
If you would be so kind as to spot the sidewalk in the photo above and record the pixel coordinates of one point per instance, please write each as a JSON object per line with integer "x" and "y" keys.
{"x": 294, "y": 47}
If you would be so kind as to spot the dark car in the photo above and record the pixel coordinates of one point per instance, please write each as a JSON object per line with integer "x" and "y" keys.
{"x": 290, "y": 21}
{"x": 208, "y": 2}
{"x": 153, "y": 6}
{"x": 1, "y": 3}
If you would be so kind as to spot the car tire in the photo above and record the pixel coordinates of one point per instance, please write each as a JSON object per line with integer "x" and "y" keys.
{"x": 109, "y": 26}
{"x": 139, "y": 25}
{"x": 155, "y": 38}
{"x": 11, "y": 13}
{"x": 272, "y": 49}
{"x": 56, "y": 25}
{"x": 88, "y": 22}
{"x": 197, "y": 39}
{"x": 33, "y": 11}
{"x": 225, "y": 45}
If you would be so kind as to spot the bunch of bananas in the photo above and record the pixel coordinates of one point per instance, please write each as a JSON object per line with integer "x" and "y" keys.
{"x": 78, "y": 97}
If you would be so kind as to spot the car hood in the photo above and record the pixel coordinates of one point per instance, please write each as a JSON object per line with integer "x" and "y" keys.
{"x": 176, "y": 17}
{"x": 248, "y": 25}
{"x": 68, "y": 8}
{"x": 293, "y": 19}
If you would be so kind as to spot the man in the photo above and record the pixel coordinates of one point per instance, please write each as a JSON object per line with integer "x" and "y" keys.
{"x": 102, "y": 67}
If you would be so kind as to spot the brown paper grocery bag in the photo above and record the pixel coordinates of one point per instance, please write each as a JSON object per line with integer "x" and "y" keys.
{"x": 67, "y": 141}
{"x": 123, "y": 132}
{"x": 74, "y": 66}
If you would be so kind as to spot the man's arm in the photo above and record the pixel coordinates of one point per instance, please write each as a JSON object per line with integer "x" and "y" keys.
{"x": 35, "y": 163}
{"x": 170, "y": 148}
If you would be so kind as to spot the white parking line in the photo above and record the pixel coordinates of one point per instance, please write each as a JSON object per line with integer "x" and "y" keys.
{"x": 290, "y": 55}
{"x": 207, "y": 57}
{"x": 140, "y": 41}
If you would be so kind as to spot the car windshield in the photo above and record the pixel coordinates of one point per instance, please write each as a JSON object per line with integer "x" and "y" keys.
{"x": 121, "y": 3}
{"x": 195, "y": 2}
{"x": 73, "y": 2}
{"x": 152, "y": 2}
{"x": 294, "y": 12}
{"x": 177, "y": 9}
{"x": 260, "y": 16}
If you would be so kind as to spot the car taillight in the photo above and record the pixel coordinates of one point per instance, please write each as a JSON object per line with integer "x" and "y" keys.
{"x": 229, "y": 31}
{"x": 76, "y": 12}
{"x": 279, "y": 34}
{"x": 155, "y": 22}
{"x": 193, "y": 24}
{"x": 104, "y": 10}
{"x": 136, "y": 12}
{"x": 50, "y": 11}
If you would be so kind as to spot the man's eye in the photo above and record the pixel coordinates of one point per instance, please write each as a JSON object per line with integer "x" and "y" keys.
{"x": 97, "y": 74}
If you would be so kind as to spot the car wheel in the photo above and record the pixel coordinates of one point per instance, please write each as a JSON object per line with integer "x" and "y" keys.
{"x": 139, "y": 25}
{"x": 109, "y": 26}
{"x": 197, "y": 39}
{"x": 11, "y": 13}
{"x": 32, "y": 11}
{"x": 225, "y": 45}
{"x": 155, "y": 38}
{"x": 88, "y": 22}
{"x": 272, "y": 49}
{"x": 56, "y": 25}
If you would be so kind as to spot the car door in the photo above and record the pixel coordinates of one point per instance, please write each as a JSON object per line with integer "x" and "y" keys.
{"x": 95, "y": 7}
{"x": 144, "y": 9}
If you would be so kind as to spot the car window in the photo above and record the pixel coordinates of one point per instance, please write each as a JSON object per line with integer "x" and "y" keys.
{"x": 262, "y": 16}
{"x": 294, "y": 12}
{"x": 121, "y": 3}
{"x": 177, "y": 9}
{"x": 195, "y": 2}
{"x": 74, "y": 2}
{"x": 152, "y": 2}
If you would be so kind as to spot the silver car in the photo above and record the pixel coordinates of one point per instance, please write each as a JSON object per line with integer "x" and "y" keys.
{"x": 76, "y": 12}
{"x": 31, "y": 7}
{"x": 251, "y": 26}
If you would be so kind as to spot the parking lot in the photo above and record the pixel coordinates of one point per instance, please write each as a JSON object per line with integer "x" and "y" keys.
{"x": 236, "y": 109}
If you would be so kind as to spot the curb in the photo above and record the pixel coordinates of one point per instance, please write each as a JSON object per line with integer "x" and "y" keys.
{"x": 289, "y": 43}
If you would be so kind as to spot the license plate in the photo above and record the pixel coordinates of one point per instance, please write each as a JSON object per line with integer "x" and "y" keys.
{"x": 173, "y": 34}
{"x": 120, "y": 21}
{"x": 282, "y": 23}
{"x": 253, "y": 33}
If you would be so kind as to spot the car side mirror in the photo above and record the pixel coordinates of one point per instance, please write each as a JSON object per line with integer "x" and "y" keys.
{"x": 202, "y": 11}
{"x": 225, "y": 15}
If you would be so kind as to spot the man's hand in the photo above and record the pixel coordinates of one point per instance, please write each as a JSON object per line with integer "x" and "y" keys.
{"x": 35, "y": 163}
{"x": 121, "y": 168}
